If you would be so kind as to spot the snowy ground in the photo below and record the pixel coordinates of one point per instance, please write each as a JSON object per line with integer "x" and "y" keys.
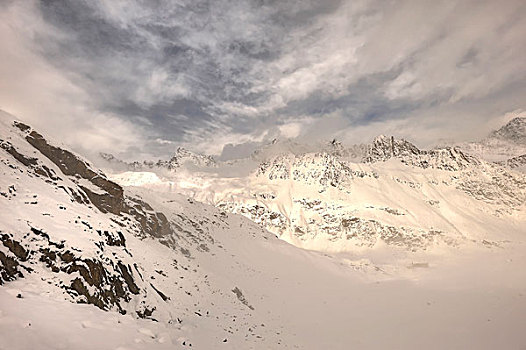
{"x": 469, "y": 297}
{"x": 474, "y": 298}
{"x": 302, "y": 300}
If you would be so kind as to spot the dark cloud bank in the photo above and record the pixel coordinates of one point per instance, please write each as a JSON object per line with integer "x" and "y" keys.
{"x": 140, "y": 78}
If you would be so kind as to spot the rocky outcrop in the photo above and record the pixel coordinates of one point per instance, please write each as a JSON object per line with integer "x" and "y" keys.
{"x": 339, "y": 226}
{"x": 319, "y": 168}
{"x": 30, "y": 162}
{"x": 276, "y": 168}
{"x": 109, "y": 199}
{"x": 514, "y": 162}
{"x": 494, "y": 184}
{"x": 103, "y": 272}
{"x": 384, "y": 148}
{"x": 449, "y": 158}
{"x": 10, "y": 268}
{"x": 106, "y": 195}
{"x": 152, "y": 223}
{"x": 106, "y": 283}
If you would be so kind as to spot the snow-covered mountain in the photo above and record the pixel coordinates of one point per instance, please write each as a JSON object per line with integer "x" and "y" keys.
{"x": 431, "y": 239}
{"x": 514, "y": 131}
{"x": 69, "y": 234}
{"x": 396, "y": 195}
{"x": 506, "y": 145}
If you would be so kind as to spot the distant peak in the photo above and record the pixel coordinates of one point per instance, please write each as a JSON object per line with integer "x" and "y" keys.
{"x": 515, "y": 123}
{"x": 385, "y": 147}
{"x": 514, "y": 131}
{"x": 380, "y": 137}
{"x": 107, "y": 156}
{"x": 181, "y": 151}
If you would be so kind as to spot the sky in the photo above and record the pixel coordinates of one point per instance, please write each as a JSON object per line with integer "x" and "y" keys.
{"x": 140, "y": 78}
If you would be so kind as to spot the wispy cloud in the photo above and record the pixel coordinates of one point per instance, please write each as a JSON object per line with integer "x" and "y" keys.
{"x": 121, "y": 75}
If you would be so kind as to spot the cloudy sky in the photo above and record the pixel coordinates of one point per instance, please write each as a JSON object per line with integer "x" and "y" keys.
{"x": 139, "y": 78}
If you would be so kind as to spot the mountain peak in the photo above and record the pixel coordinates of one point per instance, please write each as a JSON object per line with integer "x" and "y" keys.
{"x": 385, "y": 147}
{"x": 380, "y": 138}
{"x": 183, "y": 155}
{"x": 514, "y": 131}
{"x": 182, "y": 152}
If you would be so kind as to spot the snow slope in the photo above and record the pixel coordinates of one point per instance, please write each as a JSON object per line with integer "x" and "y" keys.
{"x": 162, "y": 270}
{"x": 293, "y": 299}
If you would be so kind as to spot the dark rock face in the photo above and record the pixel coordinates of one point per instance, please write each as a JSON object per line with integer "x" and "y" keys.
{"x": 9, "y": 265}
{"x": 112, "y": 285}
{"x": 106, "y": 280}
{"x": 110, "y": 199}
{"x": 113, "y": 241}
{"x": 16, "y": 248}
{"x": 161, "y": 294}
{"x": 152, "y": 223}
{"x": 241, "y": 297}
{"x": 8, "y": 269}
{"x": 30, "y": 162}
{"x": 103, "y": 283}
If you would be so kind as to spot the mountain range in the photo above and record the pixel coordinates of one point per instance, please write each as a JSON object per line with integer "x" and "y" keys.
{"x": 297, "y": 246}
{"x": 337, "y": 198}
